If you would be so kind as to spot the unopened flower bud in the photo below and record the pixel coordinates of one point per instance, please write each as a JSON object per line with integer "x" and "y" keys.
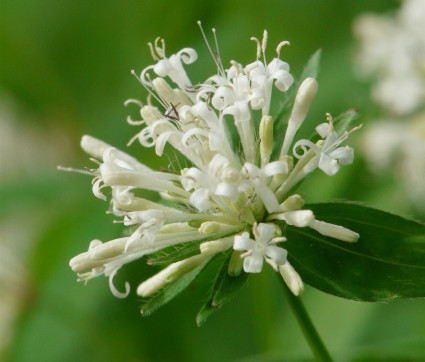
{"x": 216, "y": 246}
{"x": 93, "y": 146}
{"x": 303, "y": 99}
{"x": 266, "y": 137}
{"x": 335, "y": 231}
{"x": 293, "y": 202}
{"x": 291, "y": 278}
{"x": 169, "y": 274}
{"x": 213, "y": 227}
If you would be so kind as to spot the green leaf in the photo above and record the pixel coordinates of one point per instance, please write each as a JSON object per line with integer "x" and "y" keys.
{"x": 171, "y": 291}
{"x": 312, "y": 67}
{"x": 174, "y": 253}
{"x": 387, "y": 262}
{"x": 224, "y": 290}
{"x": 343, "y": 122}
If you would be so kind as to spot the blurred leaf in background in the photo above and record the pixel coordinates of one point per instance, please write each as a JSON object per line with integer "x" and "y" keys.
{"x": 65, "y": 71}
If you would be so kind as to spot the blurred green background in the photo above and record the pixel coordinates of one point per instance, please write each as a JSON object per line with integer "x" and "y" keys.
{"x": 64, "y": 72}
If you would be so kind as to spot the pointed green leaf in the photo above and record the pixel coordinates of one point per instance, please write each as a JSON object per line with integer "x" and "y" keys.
{"x": 341, "y": 123}
{"x": 175, "y": 253}
{"x": 344, "y": 121}
{"x": 224, "y": 290}
{"x": 311, "y": 69}
{"x": 387, "y": 262}
{"x": 169, "y": 292}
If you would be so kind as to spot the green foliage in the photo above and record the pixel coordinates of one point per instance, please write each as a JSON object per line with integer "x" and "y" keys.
{"x": 169, "y": 292}
{"x": 312, "y": 66}
{"x": 387, "y": 262}
{"x": 224, "y": 290}
{"x": 344, "y": 121}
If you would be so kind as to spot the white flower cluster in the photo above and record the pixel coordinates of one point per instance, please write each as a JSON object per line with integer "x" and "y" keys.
{"x": 399, "y": 146}
{"x": 235, "y": 194}
{"x": 392, "y": 48}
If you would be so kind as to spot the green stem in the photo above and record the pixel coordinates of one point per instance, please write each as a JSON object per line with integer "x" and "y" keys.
{"x": 307, "y": 327}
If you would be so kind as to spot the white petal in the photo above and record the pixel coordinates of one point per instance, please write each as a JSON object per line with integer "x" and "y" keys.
{"x": 243, "y": 242}
{"x": 276, "y": 168}
{"x": 223, "y": 97}
{"x": 200, "y": 198}
{"x": 328, "y": 164}
{"x": 96, "y": 190}
{"x": 278, "y": 255}
{"x": 253, "y": 263}
{"x": 114, "y": 290}
{"x": 345, "y": 155}
{"x": 227, "y": 190}
{"x": 268, "y": 198}
{"x": 323, "y": 129}
{"x": 264, "y": 233}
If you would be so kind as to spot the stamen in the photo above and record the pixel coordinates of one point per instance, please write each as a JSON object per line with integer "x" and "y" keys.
{"x": 236, "y": 65}
{"x": 148, "y": 89}
{"x": 160, "y": 50}
{"x": 132, "y": 100}
{"x": 95, "y": 161}
{"x": 208, "y": 45}
{"x": 70, "y": 169}
{"x": 132, "y": 139}
{"x": 264, "y": 45}
{"x": 221, "y": 68}
{"x": 253, "y": 38}
{"x": 132, "y": 122}
{"x": 280, "y": 46}
{"x": 152, "y": 52}
{"x": 129, "y": 119}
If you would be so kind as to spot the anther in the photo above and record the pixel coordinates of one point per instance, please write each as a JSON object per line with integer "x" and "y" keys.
{"x": 280, "y": 46}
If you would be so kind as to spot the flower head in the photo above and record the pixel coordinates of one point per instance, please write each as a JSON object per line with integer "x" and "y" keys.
{"x": 234, "y": 195}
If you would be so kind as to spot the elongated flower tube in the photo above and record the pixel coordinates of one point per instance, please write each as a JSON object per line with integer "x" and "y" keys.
{"x": 232, "y": 199}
